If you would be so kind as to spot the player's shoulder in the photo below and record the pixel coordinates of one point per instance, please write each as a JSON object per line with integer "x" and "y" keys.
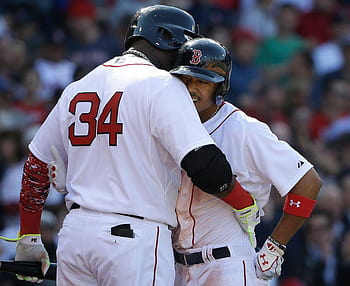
{"x": 239, "y": 118}
{"x": 235, "y": 115}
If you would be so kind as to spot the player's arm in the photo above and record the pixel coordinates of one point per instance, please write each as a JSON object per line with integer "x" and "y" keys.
{"x": 34, "y": 191}
{"x": 210, "y": 171}
{"x": 298, "y": 206}
{"x": 293, "y": 217}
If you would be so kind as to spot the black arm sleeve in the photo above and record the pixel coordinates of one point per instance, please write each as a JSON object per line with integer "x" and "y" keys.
{"x": 208, "y": 169}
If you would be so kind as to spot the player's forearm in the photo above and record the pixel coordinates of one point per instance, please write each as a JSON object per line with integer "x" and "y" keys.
{"x": 287, "y": 227}
{"x": 34, "y": 191}
{"x": 308, "y": 188}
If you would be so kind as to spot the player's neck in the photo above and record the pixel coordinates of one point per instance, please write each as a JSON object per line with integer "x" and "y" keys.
{"x": 160, "y": 58}
{"x": 208, "y": 113}
{"x": 137, "y": 53}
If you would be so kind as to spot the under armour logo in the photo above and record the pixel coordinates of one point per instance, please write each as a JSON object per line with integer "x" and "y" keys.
{"x": 297, "y": 204}
{"x": 34, "y": 239}
{"x": 264, "y": 261}
{"x": 196, "y": 58}
{"x": 300, "y": 163}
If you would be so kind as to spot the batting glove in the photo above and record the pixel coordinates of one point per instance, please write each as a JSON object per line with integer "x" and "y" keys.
{"x": 57, "y": 171}
{"x": 30, "y": 248}
{"x": 268, "y": 262}
{"x": 248, "y": 218}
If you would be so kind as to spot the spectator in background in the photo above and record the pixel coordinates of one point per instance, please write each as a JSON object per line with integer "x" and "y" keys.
{"x": 14, "y": 58}
{"x": 258, "y": 18}
{"x": 29, "y": 102}
{"x": 330, "y": 57}
{"x": 88, "y": 44}
{"x": 344, "y": 183}
{"x": 344, "y": 260}
{"x": 315, "y": 25}
{"x": 127, "y": 8}
{"x": 320, "y": 261}
{"x": 343, "y": 71}
{"x": 331, "y": 200}
{"x": 12, "y": 158}
{"x": 246, "y": 75}
{"x": 272, "y": 98}
{"x": 26, "y": 27}
{"x": 208, "y": 14}
{"x": 302, "y": 5}
{"x": 10, "y": 117}
{"x": 53, "y": 66}
{"x": 334, "y": 105}
{"x": 343, "y": 148}
{"x": 222, "y": 34}
{"x": 297, "y": 96}
{"x": 300, "y": 73}
{"x": 276, "y": 51}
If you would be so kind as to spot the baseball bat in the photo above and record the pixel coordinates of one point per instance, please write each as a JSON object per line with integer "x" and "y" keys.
{"x": 28, "y": 268}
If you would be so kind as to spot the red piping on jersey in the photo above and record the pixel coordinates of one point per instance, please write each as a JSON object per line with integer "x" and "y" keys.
{"x": 112, "y": 66}
{"x": 223, "y": 121}
{"x": 244, "y": 274}
{"x": 192, "y": 216}
{"x": 155, "y": 258}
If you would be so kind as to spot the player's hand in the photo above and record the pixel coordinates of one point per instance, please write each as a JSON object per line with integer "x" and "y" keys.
{"x": 57, "y": 171}
{"x": 30, "y": 248}
{"x": 248, "y": 218}
{"x": 268, "y": 262}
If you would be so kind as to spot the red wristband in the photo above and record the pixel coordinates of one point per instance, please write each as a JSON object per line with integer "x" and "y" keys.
{"x": 298, "y": 205}
{"x": 238, "y": 198}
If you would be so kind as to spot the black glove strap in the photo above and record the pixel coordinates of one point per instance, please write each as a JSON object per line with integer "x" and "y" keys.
{"x": 280, "y": 245}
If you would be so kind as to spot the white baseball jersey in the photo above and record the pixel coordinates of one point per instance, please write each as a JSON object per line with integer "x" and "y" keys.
{"x": 259, "y": 160}
{"x": 123, "y": 130}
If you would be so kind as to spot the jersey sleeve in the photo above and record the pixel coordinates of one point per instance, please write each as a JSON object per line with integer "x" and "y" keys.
{"x": 175, "y": 121}
{"x": 273, "y": 158}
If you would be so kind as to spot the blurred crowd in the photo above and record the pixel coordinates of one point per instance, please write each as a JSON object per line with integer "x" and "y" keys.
{"x": 291, "y": 69}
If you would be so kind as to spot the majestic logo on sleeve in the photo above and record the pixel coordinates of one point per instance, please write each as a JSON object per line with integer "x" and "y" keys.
{"x": 196, "y": 57}
{"x": 300, "y": 163}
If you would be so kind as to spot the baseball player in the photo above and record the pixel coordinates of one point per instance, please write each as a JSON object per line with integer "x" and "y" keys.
{"x": 123, "y": 131}
{"x": 214, "y": 244}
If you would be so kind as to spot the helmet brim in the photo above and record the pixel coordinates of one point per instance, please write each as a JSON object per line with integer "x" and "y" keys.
{"x": 196, "y": 72}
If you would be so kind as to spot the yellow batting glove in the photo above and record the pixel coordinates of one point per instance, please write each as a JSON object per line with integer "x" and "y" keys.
{"x": 248, "y": 218}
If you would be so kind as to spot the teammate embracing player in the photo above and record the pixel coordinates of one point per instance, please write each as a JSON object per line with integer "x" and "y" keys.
{"x": 124, "y": 132}
{"x": 211, "y": 246}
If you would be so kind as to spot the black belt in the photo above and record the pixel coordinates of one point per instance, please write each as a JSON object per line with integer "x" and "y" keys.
{"x": 196, "y": 257}
{"x": 77, "y": 206}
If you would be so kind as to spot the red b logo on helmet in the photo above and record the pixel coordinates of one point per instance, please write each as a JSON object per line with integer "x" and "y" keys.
{"x": 196, "y": 58}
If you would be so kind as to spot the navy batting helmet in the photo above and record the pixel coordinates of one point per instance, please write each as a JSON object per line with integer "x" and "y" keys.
{"x": 205, "y": 59}
{"x": 165, "y": 27}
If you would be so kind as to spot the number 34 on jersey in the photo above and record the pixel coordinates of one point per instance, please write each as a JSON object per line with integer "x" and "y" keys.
{"x": 106, "y": 123}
